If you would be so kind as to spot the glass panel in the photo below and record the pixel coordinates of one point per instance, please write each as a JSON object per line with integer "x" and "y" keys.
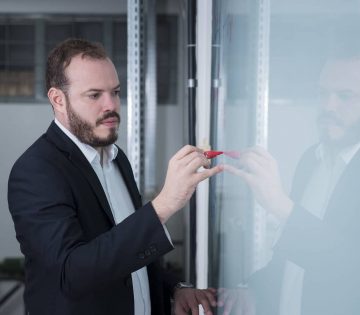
{"x": 56, "y": 32}
{"x": 21, "y": 33}
{"x": 2, "y": 32}
{"x": 3, "y": 61}
{"x": 167, "y": 59}
{"x": 17, "y": 59}
{"x": 89, "y": 30}
{"x": 233, "y": 102}
{"x": 284, "y": 224}
{"x": 120, "y": 54}
{"x": 21, "y": 56}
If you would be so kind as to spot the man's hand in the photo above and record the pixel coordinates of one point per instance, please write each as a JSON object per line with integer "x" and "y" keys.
{"x": 260, "y": 171}
{"x": 187, "y": 301}
{"x": 238, "y": 301}
{"x": 181, "y": 180}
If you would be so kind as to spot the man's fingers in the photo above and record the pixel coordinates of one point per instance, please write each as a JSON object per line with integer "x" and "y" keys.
{"x": 185, "y": 151}
{"x": 188, "y": 159}
{"x": 205, "y": 303}
{"x": 212, "y": 290}
{"x": 262, "y": 152}
{"x": 210, "y": 297}
{"x": 195, "y": 310}
{"x": 197, "y": 162}
{"x": 253, "y": 162}
{"x": 180, "y": 311}
{"x": 228, "y": 306}
{"x": 238, "y": 172}
{"x": 200, "y": 176}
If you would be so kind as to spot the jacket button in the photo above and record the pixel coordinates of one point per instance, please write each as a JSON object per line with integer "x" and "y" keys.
{"x": 141, "y": 255}
{"x": 153, "y": 249}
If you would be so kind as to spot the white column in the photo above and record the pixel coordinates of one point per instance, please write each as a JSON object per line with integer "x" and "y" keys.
{"x": 204, "y": 35}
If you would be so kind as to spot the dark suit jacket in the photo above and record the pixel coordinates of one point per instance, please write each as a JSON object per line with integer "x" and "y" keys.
{"x": 327, "y": 249}
{"x": 77, "y": 261}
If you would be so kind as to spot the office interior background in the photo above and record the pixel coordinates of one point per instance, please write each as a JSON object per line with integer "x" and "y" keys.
{"x": 222, "y": 74}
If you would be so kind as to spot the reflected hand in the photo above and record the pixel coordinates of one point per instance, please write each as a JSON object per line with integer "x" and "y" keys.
{"x": 187, "y": 301}
{"x": 237, "y": 301}
{"x": 181, "y": 180}
{"x": 260, "y": 171}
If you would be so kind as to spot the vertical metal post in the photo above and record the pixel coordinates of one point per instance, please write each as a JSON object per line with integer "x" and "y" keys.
{"x": 203, "y": 47}
{"x": 262, "y": 93}
{"x": 261, "y": 122}
{"x": 216, "y": 136}
{"x": 151, "y": 101}
{"x": 136, "y": 87}
{"x": 191, "y": 47}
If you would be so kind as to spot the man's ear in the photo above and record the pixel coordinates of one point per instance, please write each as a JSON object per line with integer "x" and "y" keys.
{"x": 57, "y": 100}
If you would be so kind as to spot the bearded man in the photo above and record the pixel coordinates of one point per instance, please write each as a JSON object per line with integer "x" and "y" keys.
{"x": 315, "y": 265}
{"x": 90, "y": 245}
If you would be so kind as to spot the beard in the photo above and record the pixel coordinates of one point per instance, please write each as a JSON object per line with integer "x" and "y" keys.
{"x": 84, "y": 131}
{"x": 350, "y": 135}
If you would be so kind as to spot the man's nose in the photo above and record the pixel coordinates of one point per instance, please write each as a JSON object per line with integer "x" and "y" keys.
{"x": 111, "y": 102}
{"x": 331, "y": 103}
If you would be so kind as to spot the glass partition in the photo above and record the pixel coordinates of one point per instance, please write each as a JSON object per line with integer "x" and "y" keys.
{"x": 284, "y": 216}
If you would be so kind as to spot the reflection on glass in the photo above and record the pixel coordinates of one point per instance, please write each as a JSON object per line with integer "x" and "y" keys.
{"x": 306, "y": 180}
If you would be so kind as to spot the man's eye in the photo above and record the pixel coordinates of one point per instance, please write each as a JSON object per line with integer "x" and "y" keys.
{"x": 116, "y": 92}
{"x": 346, "y": 96}
{"x": 94, "y": 96}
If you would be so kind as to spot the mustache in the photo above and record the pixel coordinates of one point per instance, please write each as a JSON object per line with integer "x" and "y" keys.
{"x": 325, "y": 117}
{"x": 106, "y": 116}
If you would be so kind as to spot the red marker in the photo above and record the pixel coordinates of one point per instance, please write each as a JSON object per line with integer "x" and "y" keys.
{"x": 212, "y": 154}
{"x": 233, "y": 154}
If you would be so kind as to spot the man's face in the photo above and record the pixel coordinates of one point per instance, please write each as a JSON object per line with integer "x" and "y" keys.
{"x": 339, "y": 119}
{"x": 92, "y": 101}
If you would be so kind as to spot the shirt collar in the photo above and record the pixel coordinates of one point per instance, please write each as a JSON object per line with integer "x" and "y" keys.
{"x": 345, "y": 154}
{"x": 90, "y": 153}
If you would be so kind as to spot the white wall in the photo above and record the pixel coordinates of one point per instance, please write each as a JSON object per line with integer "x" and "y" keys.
{"x": 20, "y": 126}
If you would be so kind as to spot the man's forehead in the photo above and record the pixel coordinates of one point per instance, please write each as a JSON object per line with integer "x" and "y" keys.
{"x": 92, "y": 72}
{"x": 341, "y": 74}
{"x": 80, "y": 62}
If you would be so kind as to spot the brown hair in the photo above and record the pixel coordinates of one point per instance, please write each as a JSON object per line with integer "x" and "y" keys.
{"x": 61, "y": 56}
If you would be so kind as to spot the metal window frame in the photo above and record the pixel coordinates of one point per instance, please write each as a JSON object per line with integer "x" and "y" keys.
{"x": 136, "y": 88}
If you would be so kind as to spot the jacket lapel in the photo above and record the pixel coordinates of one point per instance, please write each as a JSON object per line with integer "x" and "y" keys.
{"x": 76, "y": 157}
{"x": 126, "y": 172}
{"x": 303, "y": 173}
{"x": 345, "y": 195}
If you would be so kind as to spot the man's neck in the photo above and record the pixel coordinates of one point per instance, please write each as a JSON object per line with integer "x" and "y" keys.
{"x": 332, "y": 152}
{"x": 100, "y": 150}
